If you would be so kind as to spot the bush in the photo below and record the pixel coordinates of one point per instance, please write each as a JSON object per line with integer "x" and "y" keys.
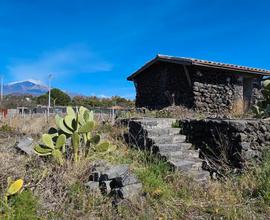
{"x": 23, "y": 207}
{"x": 152, "y": 177}
{"x": 6, "y": 128}
{"x": 264, "y": 179}
{"x": 262, "y": 109}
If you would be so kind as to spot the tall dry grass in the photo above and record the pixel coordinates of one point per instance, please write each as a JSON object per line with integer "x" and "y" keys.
{"x": 237, "y": 109}
{"x": 29, "y": 124}
{"x": 170, "y": 195}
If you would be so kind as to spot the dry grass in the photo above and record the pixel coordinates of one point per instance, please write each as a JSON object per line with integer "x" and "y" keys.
{"x": 11, "y": 165}
{"x": 54, "y": 183}
{"x": 170, "y": 195}
{"x": 237, "y": 108}
{"x": 29, "y": 124}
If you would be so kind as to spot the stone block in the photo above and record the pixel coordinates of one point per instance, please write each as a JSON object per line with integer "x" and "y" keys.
{"x": 93, "y": 187}
{"x": 131, "y": 191}
{"x": 25, "y": 145}
{"x": 116, "y": 171}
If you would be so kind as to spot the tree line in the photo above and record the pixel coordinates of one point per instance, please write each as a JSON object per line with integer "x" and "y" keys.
{"x": 60, "y": 98}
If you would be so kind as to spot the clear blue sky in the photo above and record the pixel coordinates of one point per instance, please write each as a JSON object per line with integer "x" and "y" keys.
{"x": 92, "y": 46}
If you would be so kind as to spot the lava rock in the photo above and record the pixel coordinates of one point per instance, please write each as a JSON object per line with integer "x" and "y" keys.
{"x": 130, "y": 179}
{"x": 129, "y": 191}
{"x": 116, "y": 183}
{"x": 95, "y": 176}
{"x": 104, "y": 187}
{"x": 93, "y": 187}
{"x": 117, "y": 171}
{"x": 25, "y": 145}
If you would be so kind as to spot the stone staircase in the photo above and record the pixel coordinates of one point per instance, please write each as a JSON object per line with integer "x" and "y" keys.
{"x": 158, "y": 135}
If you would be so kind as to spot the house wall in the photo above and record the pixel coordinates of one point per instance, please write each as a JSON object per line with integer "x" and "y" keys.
{"x": 162, "y": 85}
{"x": 217, "y": 91}
{"x": 208, "y": 90}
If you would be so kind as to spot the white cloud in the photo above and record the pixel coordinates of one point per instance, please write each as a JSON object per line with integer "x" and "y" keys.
{"x": 71, "y": 60}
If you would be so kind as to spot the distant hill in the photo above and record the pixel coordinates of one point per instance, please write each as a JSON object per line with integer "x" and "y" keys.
{"x": 25, "y": 88}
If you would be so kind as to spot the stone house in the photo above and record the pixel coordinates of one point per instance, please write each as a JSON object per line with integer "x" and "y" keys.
{"x": 203, "y": 85}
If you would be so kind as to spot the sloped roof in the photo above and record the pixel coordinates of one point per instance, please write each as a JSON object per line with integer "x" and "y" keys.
{"x": 198, "y": 62}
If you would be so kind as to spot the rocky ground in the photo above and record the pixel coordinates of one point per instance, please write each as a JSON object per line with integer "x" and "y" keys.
{"x": 125, "y": 184}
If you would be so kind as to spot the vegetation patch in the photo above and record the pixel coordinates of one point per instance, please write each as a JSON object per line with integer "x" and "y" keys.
{"x": 54, "y": 191}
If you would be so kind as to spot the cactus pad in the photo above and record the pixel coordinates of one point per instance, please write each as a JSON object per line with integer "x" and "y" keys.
{"x": 14, "y": 187}
{"x": 87, "y": 127}
{"x": 61, "y": 140}
{"x": 103, "y": 147}
{"x": 47, "y": 140}
{"x": 42, "y": 150}
{"x": 70, "y": 111}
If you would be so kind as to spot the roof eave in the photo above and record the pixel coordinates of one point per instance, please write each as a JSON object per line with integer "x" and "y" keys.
{"x": 130, "y": 78}
{"x": 232, "y": 69}
{"x": 160, "y": 58}
{"x": 187, "y": 61}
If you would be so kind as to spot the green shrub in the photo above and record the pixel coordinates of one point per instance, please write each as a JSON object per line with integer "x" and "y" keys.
{"x": 6, "y": 128}
{"x": 23, "y": 206}
{"x": 152, "y": 176}
{"x": 163, "y": 114}
{"x": 177, "y": 124}
{"x": 262, "y": 109}
{"x": 264, "y": 179}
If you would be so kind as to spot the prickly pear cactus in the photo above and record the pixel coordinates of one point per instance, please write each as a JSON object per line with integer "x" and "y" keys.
{"x": 49, "y": 147}
{"x": 78, "y": 126}
{"x": 262, "y": 109}
{"x": 81, "y": 122}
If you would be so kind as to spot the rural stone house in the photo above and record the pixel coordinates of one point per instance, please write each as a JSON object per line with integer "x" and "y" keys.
{"x": 203, "y": 85}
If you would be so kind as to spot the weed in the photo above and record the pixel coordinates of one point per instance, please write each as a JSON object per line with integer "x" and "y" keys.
{"x": 59, "y": 191}
{"x": 164, "y": 113}
{"x": 177, "y": 124}
{"x": 237, "y": 108}
{"x": 23, "y": 206}
{"x": 264, "y": 179}
{"x": 152, "y": 177}
{"x": 6, "y": 128}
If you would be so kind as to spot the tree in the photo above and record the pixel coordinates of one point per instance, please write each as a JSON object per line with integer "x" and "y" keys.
{"x": 94, "y": 101}
{"x": 58, "y": 97}
{"x": 42, "y": 99}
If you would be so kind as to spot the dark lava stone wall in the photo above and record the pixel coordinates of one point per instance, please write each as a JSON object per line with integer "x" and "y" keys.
{"x": 161, "y": 85}
{"x": 216, "y": 91}
{"x": 210, "y": 90}
{"x": 243, "y": 141}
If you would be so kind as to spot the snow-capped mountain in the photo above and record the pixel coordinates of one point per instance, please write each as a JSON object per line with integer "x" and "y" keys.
{"x": 27, "y": 87}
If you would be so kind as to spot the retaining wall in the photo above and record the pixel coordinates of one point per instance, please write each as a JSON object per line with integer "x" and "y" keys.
{"x": 242, "y": 141}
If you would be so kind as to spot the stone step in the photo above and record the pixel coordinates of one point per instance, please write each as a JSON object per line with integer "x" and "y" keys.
{"x": 171, "y": 147}
{"x": 149, "y": 123}
{"x": 168, "y": 139}
{"x": 162, "y": 131}
{"x": 158, "y": 122}
{"x": 180, "y": 155}
{"x": 200, "y": 176}
{"x": 185, "y": 165}
{"x": 179, "y": 138}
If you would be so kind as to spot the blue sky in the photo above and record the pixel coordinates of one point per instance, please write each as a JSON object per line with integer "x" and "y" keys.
{"x": 90, "y": 47}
